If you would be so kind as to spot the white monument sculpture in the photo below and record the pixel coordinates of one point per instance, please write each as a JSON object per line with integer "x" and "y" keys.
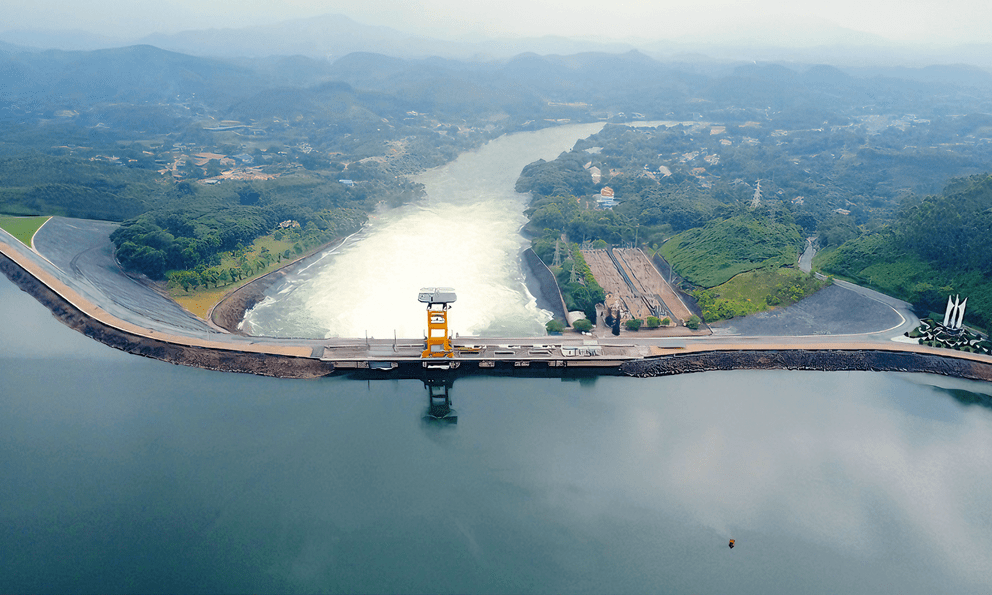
{"x": 954, "y": 314}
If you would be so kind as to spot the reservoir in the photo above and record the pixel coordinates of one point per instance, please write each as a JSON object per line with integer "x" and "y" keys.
{"x": 126, "y": 474}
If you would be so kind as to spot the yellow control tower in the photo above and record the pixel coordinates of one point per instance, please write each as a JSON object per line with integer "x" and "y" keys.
{"x": 437, "y": 300}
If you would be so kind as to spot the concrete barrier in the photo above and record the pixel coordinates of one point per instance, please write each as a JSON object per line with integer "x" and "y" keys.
{"x": 548, "y": 293}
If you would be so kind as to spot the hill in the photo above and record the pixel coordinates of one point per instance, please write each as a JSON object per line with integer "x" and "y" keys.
{"x": 711, "y": 255}
{"x": 937, "y": 246}
{"x": 136, "y": 74}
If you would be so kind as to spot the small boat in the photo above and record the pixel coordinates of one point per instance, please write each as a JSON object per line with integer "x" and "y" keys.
{"x": 731, "y": 544}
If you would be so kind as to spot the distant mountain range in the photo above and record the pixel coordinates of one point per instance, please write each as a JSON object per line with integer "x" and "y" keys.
{"x": 329, "y": 37}
{"x": 527, "y": 87}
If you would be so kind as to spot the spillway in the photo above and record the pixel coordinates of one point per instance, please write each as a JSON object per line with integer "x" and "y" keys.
{"x": 465, "y": 234}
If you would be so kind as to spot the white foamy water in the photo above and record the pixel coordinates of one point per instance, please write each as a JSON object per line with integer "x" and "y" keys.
{"x": 464, "y": 235}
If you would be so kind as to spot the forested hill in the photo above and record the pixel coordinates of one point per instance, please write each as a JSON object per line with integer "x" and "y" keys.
{"x": 935, "y": 247}
{"x": 711, "y": 255}
{"x": 213, "y": 152}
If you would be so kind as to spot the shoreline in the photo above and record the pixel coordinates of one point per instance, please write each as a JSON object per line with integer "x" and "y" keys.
{"x": 233, "y": 360}
{"x": 231, "y": 309}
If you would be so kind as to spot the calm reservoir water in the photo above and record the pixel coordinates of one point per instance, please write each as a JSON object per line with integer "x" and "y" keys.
{"x": 123, "y": 474}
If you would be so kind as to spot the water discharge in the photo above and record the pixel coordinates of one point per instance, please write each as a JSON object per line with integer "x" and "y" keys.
{"x": 465, "y": 234}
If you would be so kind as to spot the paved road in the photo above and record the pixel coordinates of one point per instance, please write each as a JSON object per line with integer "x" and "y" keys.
{"x": 840, "y": 309}
{"x": 82, "y": 250}
{"x": 806, "y": 260}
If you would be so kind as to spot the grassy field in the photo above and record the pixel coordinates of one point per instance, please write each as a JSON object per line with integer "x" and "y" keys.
{"x": 756, "y": 291}
{"x": 199, "y": 300}
{"x": 22, "y": 228}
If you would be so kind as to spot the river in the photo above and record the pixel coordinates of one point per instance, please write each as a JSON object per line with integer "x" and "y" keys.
{"x": 125, "y": 474}
{"x": 465, "y": 234}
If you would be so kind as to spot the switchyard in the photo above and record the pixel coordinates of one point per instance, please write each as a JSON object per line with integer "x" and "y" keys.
{"x": 633, "y": 285}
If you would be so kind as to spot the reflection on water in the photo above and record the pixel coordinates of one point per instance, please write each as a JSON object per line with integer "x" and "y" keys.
{"x": 439, "y": 400}
{"x": 966, "y": 397}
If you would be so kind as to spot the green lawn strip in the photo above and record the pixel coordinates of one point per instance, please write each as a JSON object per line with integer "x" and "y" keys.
{"x": 755, "y": 291}
{"x": 200, "y": 298}
{"x": 22, "y": 228}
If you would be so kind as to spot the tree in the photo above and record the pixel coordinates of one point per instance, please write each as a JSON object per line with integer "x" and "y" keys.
{"x": 693, "y": 322}
{"x": 634, "y": 324}
{"x": 652, "y": 322}
{"x": 583, "y": 325}
{"x": 554, "y": 327}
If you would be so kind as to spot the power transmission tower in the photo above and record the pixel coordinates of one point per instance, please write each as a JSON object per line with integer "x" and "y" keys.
{"x": 557, "y": 261}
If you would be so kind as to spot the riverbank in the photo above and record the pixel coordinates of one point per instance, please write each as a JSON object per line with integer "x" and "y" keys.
{"x": 231, "y": 309}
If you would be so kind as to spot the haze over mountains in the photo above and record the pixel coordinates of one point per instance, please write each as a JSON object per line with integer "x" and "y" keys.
{"x": 332, "y": 36}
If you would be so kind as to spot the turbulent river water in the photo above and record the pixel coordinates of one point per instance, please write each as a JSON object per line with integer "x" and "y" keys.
{"x": 125, "y": 474}
{"x": 464, "y": 234}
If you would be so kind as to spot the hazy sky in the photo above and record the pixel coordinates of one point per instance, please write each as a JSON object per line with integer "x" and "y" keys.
{"x": 946, "y": 21}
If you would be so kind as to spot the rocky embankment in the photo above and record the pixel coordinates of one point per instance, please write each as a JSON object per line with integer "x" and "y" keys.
{"x": 547, "y": 292}
{"x": 230, "y": 311}
{"x": 224, "y": 360}
{"x": 821, "y": 360}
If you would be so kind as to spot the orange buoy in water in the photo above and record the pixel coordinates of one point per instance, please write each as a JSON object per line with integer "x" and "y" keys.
{"x": 731, "y": 544}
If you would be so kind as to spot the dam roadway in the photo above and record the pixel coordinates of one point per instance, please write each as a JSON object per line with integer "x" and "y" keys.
{"x": 82, "y": 288}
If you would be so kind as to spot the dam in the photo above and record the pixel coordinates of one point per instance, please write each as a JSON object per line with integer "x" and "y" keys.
{"x": 150, "y": 331}
{"x": 355, "y": 308}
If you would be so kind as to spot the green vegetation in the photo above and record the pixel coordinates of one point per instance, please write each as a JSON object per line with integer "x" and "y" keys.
{"x": 652, "y": 322}
{"x": 199, "y": 289}
{"x": 201, "y": 157}
{"x": 555, "y": 327}
{"x": 582, "y": 293}
{"x": 194, "y": 238}
{"x": 633, "y": 324}
{"x": 693, "y": 322}
{"x": 756, "y": 291}
{"x": 713, "y": 254}
{"x": 22, "y": 228}
{"x": 582, "y": 325}
{"x": 33, "y": 183}
{"x": 932, "y": 334}
{"x": 936, "y": 247}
